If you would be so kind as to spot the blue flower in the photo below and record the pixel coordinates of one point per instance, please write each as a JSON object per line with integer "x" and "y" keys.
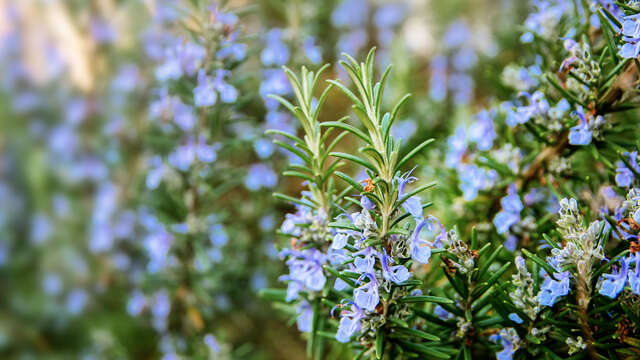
{"x": 510, "y": 213}
{"x": 77, "y": 300}
{"x": 206, "y": 153}
{"x": 624, "y": 175}
{"x": 260, "y": 176}
{"x": 275, "y": 82}
{"x": 631, "y": 34}
{"x": 137, "y": 302}
{"x": 305, "y": 316}
{"x": 263, "y": 148}
{"x": 482, "y": 131}
{"x": 349, "y": 322}
{"x": 413, "y": 204}
{"x": 613, "y": 283}
{"x": 403, "y": 129}
{"x": 306, "y": 267}
{"x": 438, "y": 79}
{"x": 276, "y": 52}
{"x": 457, "y": 146}
{"x": 352, "y": 41}
{"x": 212, "y": 343}
{"x": 339, "y": 241}
{"x": 293, "y": 288}
{"x": 538, "y": 106}
{"x": 340, "y": 284}
{"x": 634, "y": 276}
{"x": 228, "y": 93}
{"x": 443, "y": 314}
{"x": 515, "y": 318}
{"x": 230, "y": 48}
{"x": 420, "y": 249}
{"x": 457, "y": 34}
{"x": 365, "y": 260}
{"x": 551, "y": 289}
{"x": 366, "y": 203}
{"x": 366, "y": 296}
{"x": 389, "y": 15}
{"x": 312, "y": 51}
{"x": 580, "y": 134}
{"x": 204, "y": 94}
{"x": 509, "y": 339}
{"x": 350, "y": 13}
{"x": 183, "y": 115}
{"x": 472, "y": 180}
{"x": 397, "y": 274}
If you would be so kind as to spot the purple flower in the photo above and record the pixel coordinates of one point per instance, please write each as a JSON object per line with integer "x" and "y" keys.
{"x": 102, "y": 31}
{"x": 511, "y": 242}
{"x": 580, "y": 135}
{"x": 464, "y": 59}
{"x": 225, "y": 18}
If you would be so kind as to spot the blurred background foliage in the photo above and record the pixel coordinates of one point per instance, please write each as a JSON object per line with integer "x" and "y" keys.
{"x": 77, "y": 91}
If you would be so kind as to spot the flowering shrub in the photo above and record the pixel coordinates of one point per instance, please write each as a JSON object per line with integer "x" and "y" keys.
{"x": 494, "y": 213}
{"x": 373, "y": 271}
